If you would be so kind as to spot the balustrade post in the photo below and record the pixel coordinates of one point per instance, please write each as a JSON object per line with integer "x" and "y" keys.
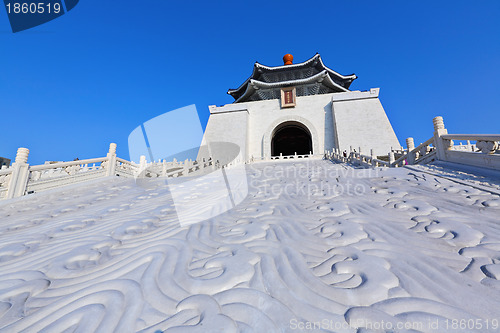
{"x": 410, "y": 145}
{"x": 20, "y": 174}
{"x": 391, "y": 158}
{"x": 469, "y": 146}
{"x": 164, "y": 168}
{"x": 111, "y": 167}
{"x": 441, "y": 145}
{"x": 143, "y": 164}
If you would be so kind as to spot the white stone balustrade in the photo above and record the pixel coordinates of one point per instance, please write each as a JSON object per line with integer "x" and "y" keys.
{"x": 21, "y": 178}
{"x": 295, "y": 156}
{"x": 177, "y": 169}
{"x": 485, "y": 153}
{"x": 355, "y": 158}
{"x": 32, "y": 179}
{"x": 423, "y": 153}
{"x": 5, "y": 177}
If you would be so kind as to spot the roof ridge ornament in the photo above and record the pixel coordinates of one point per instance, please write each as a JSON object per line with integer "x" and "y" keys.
{"x": 288, "y": 59}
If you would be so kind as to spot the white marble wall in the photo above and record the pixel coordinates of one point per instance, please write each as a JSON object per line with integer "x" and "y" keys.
{"x": 227, "y": 125}
{"x": 357, "y": 119}
{"x": 360, "y": 121}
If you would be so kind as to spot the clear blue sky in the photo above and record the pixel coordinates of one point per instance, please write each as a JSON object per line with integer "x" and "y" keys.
{"x": 70, "y": 87}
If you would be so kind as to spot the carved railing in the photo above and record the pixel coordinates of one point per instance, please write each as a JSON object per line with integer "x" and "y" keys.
{"x": 468, "y": 146}
{"x": 355, "y": 158}
{"x": 485, "y": 152}
{"x": 485, "y": 143}
{"x": 174, "y": 169}
{"x": 125, "y": 168}
{"x": 295, "y": 156}
{"x": 336, "y": 156}
{"x": 21, "y": 178}
{"x": 5, "y": 177}
{"x": 284, "y": 157}
{"x": 47, "y": 176}
{"x": 423, "y": 153}
{"x": 366, "y": 160}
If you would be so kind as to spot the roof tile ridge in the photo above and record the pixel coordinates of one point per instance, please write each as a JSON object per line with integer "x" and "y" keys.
{"x": 288, "y": 66}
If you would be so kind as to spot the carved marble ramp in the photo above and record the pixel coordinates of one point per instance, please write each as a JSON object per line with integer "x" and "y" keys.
{"x": 314, "y": 243}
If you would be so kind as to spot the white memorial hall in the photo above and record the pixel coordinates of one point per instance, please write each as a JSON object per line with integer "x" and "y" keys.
{"x": 300, "y": 109}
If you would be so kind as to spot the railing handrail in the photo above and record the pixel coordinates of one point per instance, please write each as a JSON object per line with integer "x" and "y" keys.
{"x": 355, "y": 157}
{"x": 422, "y": 158}
{"x": 67, "y": 164}
{"x": 123, "y": 161}
{"x": 381, "y": 161}
{"x": 6, "y": 171}
{"x": 414, "y": 150}
{"x": 472, "y": 137}
{"x": 424, "y": 144}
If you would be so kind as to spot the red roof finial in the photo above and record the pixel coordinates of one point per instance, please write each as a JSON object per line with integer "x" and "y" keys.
{"x": 288, "y": 59}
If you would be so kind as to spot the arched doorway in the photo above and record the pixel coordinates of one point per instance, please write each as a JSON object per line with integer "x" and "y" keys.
{"x": 289, "y": 138}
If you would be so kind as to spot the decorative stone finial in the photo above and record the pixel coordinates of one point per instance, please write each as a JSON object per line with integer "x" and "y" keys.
{"x": 438, "y": 123}
{"x": 410, "y": 144}
{"x": 22, "y": 155}
{"x": 288, "y": 59}
{"x": 112, "y": 148}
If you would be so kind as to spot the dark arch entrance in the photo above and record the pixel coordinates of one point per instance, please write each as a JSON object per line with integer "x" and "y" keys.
{"x": 290, "y": 138}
